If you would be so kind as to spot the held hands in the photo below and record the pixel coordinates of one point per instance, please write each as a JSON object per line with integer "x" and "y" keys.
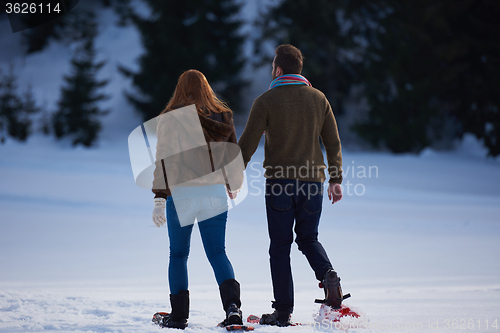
{"x": 232, "y": 195}
{"x": 159, "y": 212}
{"x": 334, "y": 192}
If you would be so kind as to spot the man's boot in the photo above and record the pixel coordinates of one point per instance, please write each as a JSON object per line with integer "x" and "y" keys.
{"x": 277, "y": 318}
{"x": 333, "y": 291}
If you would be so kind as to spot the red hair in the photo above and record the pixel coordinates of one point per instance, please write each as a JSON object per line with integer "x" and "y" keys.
{"x": 193, "y": 88}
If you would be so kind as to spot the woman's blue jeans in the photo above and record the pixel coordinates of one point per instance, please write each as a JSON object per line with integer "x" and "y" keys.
{"x": 213, "y": 234}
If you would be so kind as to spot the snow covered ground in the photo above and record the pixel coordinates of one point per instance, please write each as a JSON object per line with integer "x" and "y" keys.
{"x": 415, "y": 240}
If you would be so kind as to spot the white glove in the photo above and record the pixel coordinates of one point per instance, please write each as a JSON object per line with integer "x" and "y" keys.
{"x": 159, "y": 212}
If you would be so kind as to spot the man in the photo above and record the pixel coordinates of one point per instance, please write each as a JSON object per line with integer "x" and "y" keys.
{"x": 294, "y": 116}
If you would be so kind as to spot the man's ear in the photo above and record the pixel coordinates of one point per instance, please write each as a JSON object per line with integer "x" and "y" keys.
{"x": 279, "y": 71}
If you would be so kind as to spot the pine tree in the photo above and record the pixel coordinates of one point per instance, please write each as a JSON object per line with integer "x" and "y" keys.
{"x": 182, "y": 35}
{"x": 431, "y": 72}
{"x": 78, "y": 114}
{"x": 45, "y": 121}
{"x": 15, "y": 111}
{"x": 30, "y": 107}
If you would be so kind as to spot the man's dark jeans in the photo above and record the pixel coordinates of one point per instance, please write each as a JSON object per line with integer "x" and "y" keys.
{"x": 288, "y": 200}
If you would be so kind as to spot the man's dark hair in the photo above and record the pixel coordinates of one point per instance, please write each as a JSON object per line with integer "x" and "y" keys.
{"x": 289, "y": 58}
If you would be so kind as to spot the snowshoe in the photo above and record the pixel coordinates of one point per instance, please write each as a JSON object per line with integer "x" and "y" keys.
{"x": 163, "y": 319}
{"x": 236, "y": 327}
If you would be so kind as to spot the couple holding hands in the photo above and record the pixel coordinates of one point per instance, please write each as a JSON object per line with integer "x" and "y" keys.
{"x": 294, "y": 116}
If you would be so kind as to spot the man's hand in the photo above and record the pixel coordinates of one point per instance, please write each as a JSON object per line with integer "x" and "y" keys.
{"x": 334, "y": 192}
{"x": 159, "y": 212}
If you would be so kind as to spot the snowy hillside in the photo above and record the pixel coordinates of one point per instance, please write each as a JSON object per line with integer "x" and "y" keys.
{"x": 415, "y": 241}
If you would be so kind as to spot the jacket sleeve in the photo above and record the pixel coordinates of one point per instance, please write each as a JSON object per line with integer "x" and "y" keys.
{"x": 331, "y": 141}
{"x": 256, "y": 125}
{"x": 160, "y": 183}
{"x": 235, "y": 176}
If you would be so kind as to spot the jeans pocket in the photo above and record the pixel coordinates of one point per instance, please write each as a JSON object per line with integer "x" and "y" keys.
{"x": 280, "y": 202}
{"x": 218, "y": 203}
{"x": 182, "y": 205}
{"x": 313, "y": 206}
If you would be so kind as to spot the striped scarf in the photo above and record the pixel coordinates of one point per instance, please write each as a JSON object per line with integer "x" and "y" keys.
{"x": 289, "y": 79}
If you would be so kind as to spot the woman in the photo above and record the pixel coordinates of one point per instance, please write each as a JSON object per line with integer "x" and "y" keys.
{"x": 205, "y": 202}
